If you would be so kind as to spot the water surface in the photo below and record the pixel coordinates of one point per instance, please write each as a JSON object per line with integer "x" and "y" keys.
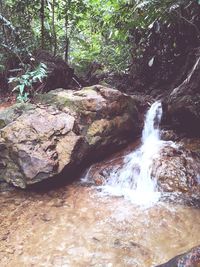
{"x": 75, "y": 226}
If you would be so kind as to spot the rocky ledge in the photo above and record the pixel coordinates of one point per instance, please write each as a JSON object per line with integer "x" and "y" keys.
{"x": 188, "y": 259}
{"x": 62, "y": 130}
{"x": 182, "y": 104}
{"x": 177, "y": 169}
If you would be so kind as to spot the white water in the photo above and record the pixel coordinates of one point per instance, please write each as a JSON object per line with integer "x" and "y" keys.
{"x": 134, "y": 180}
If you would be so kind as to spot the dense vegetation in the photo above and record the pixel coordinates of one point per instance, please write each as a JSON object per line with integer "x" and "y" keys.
{"x": 136, "y": 37}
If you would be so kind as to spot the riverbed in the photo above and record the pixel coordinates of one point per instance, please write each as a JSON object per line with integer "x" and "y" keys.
{"x": 75, "y": 226}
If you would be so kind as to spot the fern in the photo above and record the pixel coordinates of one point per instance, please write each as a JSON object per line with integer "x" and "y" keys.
{"x": 26, "y": 81}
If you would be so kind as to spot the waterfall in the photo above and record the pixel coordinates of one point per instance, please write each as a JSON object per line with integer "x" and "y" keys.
{"x": 133, "y": 180}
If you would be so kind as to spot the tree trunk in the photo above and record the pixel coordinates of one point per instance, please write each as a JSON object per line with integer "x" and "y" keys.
{"x": 67, "y": 42}
{"x": 42, "y": 16}
{"x": 3, "y": 26}
{"x": 66, "y": 49}
{"x": 53, "y": 29}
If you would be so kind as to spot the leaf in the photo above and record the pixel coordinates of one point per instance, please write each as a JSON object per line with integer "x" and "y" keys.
{"x": 2, "y": 68}
{"x": 12, "y": 79}
{"x": 15, "y": 88}
{"x": 21, "y": 88}
{"x": 151, "y": 61}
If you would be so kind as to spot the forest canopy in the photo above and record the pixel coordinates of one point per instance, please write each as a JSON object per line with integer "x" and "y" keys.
{"x": 79, "y": 31}
{"x": 114, "y": 33}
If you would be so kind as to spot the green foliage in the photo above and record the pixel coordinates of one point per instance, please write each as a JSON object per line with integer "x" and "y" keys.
{"x": 82, "y": 31}
{"x": 97, "y": 38}
{"x": 25, "y": 82}
{"x": 2, "y": 68}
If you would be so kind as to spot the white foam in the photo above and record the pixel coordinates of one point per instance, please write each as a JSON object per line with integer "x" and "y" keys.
{"x": 134, "y": 180}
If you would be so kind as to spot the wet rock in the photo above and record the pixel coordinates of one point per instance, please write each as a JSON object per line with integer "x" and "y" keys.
{"x": 62, "y": 130}
{"x": 193, "y": 144}
{"x": 169, "y": 135}
{"x": 5, "y": 186}
{"x": 188, "y": 259}
{"x": 177, "y": 170}
{"x": 100, "y": 173}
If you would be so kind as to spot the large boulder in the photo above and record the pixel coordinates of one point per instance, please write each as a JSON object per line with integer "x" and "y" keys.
{"x": 188, "y": 259}
{"x": 177, "y": 170}
{"x": 63, "y": 129}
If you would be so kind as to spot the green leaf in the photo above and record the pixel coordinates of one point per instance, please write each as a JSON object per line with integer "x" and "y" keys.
{"x": 21, "y": 88}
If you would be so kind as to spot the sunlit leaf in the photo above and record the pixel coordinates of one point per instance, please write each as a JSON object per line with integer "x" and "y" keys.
{"x": 151, "y": 61}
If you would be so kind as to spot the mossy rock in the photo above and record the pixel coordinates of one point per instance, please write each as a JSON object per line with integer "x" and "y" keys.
{"x": 10, "y": 114}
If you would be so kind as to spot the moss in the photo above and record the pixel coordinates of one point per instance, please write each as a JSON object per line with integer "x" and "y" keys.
{"x": 12, "y": 175}
{"x": 84, "y": 92}
{"x": 55, "y": 100}
{"x": 93, "y": 140}
{"x": 98, "y": 128}
{"x": 2, "y": 124}
{"x": 12, "y": 113}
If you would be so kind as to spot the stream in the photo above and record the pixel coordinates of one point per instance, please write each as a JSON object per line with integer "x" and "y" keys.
{"x": 122, "y": 222}
{"x": 75, "y": 226}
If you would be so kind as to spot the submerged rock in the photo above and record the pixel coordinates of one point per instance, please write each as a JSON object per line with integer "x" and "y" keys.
{"x": 177, "y": 170}
{"x": 188, "y": 259}
{"x": 62, "y": 130}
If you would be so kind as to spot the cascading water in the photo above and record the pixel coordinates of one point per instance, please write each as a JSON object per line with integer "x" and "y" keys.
{"x": 134, "y": 180}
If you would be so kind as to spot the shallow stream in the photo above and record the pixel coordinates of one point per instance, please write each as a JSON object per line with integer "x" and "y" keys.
{"x": 75, "y": 226}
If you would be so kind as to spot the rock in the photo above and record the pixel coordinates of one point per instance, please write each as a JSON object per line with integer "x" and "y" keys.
{"x": 101, "y": 172}
{"x": 184, "y": 114}
{"x": 192, "y": 144}
{"x": 177, "y": 170}
{"x": 59, "y": 74}
{"x": 183, "y": 104}
{"x": 62, "y": 130}
{"x": 8, "y": 115}
{"x": 4, "y": 187}
{"x": 188, "y": 259}
{"x": 169, "y": 135}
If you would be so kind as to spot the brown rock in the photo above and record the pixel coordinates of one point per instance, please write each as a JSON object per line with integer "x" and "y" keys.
{"x": 188, "y": 259}
{"x": 177, "y": 170}
{"x": 63, "y": 129}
